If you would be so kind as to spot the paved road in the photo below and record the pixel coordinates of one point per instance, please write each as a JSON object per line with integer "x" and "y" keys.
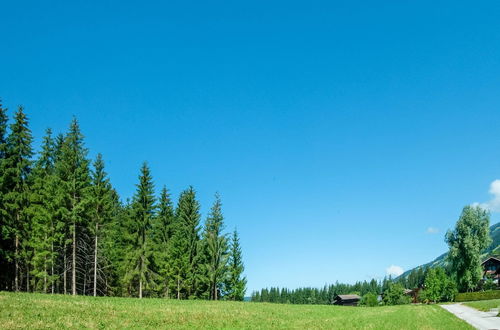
{"x": 478, "y": 319}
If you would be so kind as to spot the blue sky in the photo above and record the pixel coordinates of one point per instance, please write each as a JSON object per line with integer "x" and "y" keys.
{"x": 344, "y": 137}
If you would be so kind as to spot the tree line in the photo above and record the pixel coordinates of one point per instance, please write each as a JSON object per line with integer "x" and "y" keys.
{"x": 317, "y": 296}
{"x": 64, "y": 228}
{"x": 462, "y": 273}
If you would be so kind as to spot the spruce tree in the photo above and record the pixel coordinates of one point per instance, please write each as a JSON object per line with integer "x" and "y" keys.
{"x": 101, "y": 208}
{"x": 183, "y": 249}
{"x": 162, "y": 234}
{"x": 16, "y": 169}
{"x": 142, "y": 216}
{"x": 6, "y": 276}
{"x": 188, "y": 214}
{"x": 216, "y": 248}
{"x": 43, "y": 233}
{"x": 235, "y": 282}
{"x": 72, "y": 169}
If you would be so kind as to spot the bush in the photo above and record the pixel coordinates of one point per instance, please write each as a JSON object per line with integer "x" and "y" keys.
{"x": 369, "y": 299}
{"x": 395, "y": 295}
{"x": 481, "y": 295}
{"x": 438, "y": 286}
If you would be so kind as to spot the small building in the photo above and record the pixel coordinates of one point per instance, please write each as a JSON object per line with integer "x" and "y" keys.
{"x": 491, "y": 268}
{"x": 347, "y": 299}
{"x": 413, "y": 294}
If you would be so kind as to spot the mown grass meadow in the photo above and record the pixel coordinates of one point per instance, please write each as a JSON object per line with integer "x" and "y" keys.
{"x": 21, "y": 310}
{"x": 484, "y": 305}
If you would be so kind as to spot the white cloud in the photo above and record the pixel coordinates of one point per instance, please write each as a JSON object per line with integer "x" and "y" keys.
{"x": 493, "y": 204}
{"x": 432, "y": 230}
{"x": 394, "y": 270}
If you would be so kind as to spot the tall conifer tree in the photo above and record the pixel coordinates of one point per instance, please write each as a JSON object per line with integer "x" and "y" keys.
{"x": 5, "y": 241}
{"x": 162, "y": 233}
{"x": 42, "y": 209}
{"x": 73, "y": 171}
{"x": 101, "y": 207}
{"x": 16, "y": 197}
{"x": 142, "y": 214}
{"x": 236, "y": 283}
{"x": 216, "y": 248}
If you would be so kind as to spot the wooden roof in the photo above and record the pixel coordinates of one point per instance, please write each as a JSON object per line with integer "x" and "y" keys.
{"x": 494, "y": 258}
{"x": 348, "y": 296}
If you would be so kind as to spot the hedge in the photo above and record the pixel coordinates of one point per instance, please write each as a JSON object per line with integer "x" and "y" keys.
{"x": 481, "y": 295}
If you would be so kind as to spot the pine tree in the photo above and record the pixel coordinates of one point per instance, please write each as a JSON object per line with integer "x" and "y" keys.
{"x": 17, "y": 168}
{"x": 188, "y": 214}
{"x": 235, "y": 282}
{"x": 142, "y": 214}
{"x": 216, "y": 248}
{"x": 72, "y": 169}
{"x": 6, "y": 248}
{"x": 42, "y": 209}
{"x": 182, "y": 251}
{"x": 101, "y": 206}
{"x": 162, "y": 234}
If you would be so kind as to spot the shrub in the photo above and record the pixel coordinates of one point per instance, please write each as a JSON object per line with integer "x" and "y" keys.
{"x": 481, "y": 295}
{"x": 438, "y": 286}
{"x": 369, "y": 299}
{"x": 395, "y": 295}
{"x": 489, "y": 284}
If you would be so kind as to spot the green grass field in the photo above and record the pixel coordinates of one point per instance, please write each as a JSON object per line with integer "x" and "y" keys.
{"x": 23, "y": 310}
{"x": 484, "y": 305}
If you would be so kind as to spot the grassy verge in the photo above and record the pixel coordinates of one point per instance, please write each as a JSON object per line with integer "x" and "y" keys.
{"x": 483, "y": 305}
{"x": 23, "y": 310}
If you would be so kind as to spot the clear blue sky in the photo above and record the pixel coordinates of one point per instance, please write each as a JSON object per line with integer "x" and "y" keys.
{"x": 341, "y": 135}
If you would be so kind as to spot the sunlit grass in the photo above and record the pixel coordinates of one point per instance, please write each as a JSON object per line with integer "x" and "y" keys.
{"x": 23, "y": 310}
{"x": 484, "y": 305}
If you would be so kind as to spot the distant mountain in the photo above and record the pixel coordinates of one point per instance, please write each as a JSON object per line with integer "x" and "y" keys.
{"x": 493, "y": 249}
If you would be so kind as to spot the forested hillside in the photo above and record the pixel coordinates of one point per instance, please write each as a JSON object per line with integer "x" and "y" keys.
{"x": 493, "y": 249}
{"x": 64, "y": 228}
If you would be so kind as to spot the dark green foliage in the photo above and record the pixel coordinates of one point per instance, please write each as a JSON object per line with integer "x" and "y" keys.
{"x": 6, "y": 247}
{"x": 64, "y": 229}
{"x": 466, "y": 241}
{"x": 322, "y": 296}
{"x": 438, "y": 286}
{"x": 183, "y": 251}
{"x": 395, "y": 295}
{"x": 72, "y": 169}
{"x": 44, "y": 235}
{"x": 101, "y": 205}
{"x": 139, "y": 274}
{"x": 369, "y": 299}
{"x": 216, "y": 249}
{"x": 162, "y": 234}
{"x": 15, "y": 199}
{"x": 236, "y": 282}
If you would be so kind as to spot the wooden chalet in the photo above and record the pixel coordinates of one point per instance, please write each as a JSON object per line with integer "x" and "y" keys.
{"x": 413, "y": 294}
{"x": 491, "y": 268}
{"x": 347, "y": 299}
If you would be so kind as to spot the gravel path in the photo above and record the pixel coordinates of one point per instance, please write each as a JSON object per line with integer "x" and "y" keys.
{"x": 478, "y": 319}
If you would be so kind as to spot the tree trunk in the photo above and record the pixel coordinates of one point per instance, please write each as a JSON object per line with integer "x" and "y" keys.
{"x": 52, "y": 267}
{"x": 215, "y": 290}
{"x": 178, "y": 289}
{"x": 95, "y": 261}
{"x": 45, "y": 275}
{"x": 16, "y": 278}
{"x": 140, "y": 287}
{"x": 73, "y": 269}
{"x": 64, "y": 270}
{"x": 28, "y": 277}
